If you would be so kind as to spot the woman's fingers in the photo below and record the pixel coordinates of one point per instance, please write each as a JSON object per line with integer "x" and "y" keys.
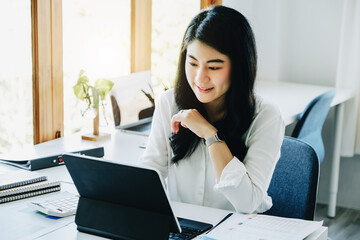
{"x": 175, "y": 123}
{"x": 176, "y": 120}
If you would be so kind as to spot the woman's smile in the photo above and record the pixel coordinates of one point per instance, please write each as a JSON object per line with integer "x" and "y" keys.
{"x": 203, "y": 89}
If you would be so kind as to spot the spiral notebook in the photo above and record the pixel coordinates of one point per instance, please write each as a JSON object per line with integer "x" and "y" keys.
{"x": 19, "y": 178}
{"x": 23, "y": 184}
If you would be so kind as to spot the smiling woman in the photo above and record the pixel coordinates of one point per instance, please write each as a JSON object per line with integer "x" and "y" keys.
{"x": 212, "y": 138}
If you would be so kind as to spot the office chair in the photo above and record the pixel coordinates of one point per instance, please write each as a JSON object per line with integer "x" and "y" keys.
{"x": 293, "y": 187}
{"x": 311, "y": 121}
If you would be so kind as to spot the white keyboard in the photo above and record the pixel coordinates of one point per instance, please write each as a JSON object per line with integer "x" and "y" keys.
{"x": 63, "y": 205}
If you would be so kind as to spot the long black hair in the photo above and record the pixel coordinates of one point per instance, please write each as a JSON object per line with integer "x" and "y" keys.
{"x": 227, "y": 31}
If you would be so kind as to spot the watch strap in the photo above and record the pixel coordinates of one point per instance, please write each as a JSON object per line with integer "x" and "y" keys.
{"x": 213, "y": 139}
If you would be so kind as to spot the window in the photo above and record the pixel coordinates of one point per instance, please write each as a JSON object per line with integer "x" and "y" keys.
{"x": 16, "y": 108}
{"x": 96, "y": 38}
{"x": 169, "y": 22}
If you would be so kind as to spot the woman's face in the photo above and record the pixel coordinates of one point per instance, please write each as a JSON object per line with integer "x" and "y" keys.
{"x": 207, "y": 72}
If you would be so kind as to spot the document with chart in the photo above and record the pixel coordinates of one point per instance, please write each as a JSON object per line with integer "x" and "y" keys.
{"x": 252, "y": 226}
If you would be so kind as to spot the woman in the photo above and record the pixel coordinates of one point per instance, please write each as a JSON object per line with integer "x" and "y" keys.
{"x": 212, "y": 139}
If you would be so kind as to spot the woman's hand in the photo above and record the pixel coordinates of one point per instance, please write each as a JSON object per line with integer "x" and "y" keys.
{"x": 193, "y": 120}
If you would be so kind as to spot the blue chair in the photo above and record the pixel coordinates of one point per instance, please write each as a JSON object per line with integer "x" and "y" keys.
{"x": 293, "y": 187}
{"x": 311, "y": 121}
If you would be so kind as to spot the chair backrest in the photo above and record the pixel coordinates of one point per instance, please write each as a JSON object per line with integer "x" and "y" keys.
{"x": 293, "y": 187}
{"x": 311, "y": 121}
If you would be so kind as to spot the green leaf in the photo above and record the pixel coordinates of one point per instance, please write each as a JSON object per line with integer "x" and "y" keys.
{"x": 81, "y": 86}
{"x": 79, "y": 91}
{"x": 91, "y": 94}
{"x": 95, "y": 97}
{"x": 82, "y": 78}
{"x": 103, "y": 86}
{"x": 82, "y": 71}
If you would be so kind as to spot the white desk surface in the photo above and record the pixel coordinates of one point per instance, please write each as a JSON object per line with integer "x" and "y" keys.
{"x": 115, "y": 150}
{"x": 292, "y": 98}
{"x": 199, "y": 213}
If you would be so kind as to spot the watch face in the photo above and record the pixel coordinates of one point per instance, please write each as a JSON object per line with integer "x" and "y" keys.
{"x": 221, "y": 136}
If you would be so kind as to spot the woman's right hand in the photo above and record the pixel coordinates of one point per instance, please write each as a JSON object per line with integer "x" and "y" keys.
{"x": 193, "y": 120}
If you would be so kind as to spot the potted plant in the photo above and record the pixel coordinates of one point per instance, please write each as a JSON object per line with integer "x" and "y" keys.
{"x": 93, "y": 96}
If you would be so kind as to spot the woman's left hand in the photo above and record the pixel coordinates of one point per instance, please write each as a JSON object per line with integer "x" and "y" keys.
{"x": 193, "y": 120}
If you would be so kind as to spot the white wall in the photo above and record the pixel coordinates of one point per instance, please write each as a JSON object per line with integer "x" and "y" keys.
{"x": 311, "y": 36}
{"x": 298, "y": 41}
{"x": 268, "y": 31}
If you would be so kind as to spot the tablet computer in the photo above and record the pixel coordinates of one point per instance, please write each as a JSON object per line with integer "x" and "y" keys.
{"x": 122, "y": 201}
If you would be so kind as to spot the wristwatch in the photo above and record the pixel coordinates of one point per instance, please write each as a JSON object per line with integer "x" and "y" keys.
{"x": 218, "y": 137}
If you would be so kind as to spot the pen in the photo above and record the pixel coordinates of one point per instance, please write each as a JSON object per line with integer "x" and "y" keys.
{"x": 206, "y": 238}
{"x": 222, "y": 220}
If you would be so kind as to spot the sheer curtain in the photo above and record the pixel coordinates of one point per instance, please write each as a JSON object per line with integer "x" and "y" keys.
{"x": 348, "y": 75}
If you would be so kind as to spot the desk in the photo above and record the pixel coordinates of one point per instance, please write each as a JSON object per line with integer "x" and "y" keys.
{"x": 67, "y": 230}
{"x": 199, "y": 213}
{"x": 292, "y": 98}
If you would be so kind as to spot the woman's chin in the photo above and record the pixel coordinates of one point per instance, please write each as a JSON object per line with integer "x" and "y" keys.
{"x": 204, "y": 99}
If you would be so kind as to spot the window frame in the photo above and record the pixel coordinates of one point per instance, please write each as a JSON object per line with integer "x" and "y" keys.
{"x": 46, "y": 29}
{"x": 140, "y": 37}
{"x": 47, "y": 54}
{"x": 208, "y": 3}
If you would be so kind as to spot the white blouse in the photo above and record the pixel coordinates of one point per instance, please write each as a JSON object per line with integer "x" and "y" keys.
{"x": 242, "y": 186}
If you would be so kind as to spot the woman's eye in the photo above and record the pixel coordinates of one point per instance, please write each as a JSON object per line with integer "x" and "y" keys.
{"x": 214, "y": 68}
{"x": 193, "y": 64}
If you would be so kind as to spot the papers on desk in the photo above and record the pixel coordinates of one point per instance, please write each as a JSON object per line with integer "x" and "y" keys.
{"x": 262, "y": 227}
{"x": 18, "y": 221}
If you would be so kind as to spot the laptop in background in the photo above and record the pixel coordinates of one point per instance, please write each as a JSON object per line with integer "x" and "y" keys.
{"x": 132, "y": 101}
{"x": 127, "y": 202}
